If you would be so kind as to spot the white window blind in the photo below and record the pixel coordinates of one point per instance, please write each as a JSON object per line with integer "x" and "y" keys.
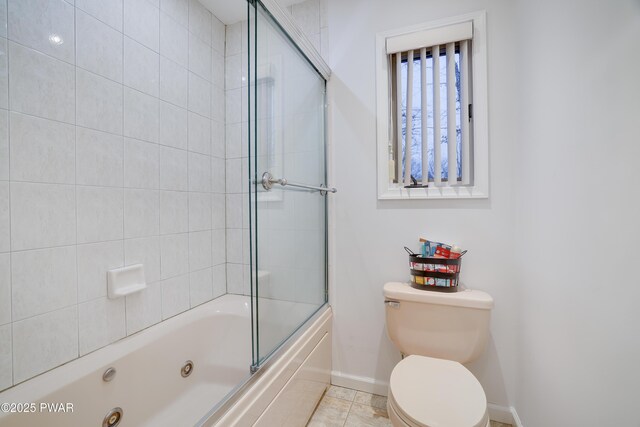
{"x": 430, "y": 89}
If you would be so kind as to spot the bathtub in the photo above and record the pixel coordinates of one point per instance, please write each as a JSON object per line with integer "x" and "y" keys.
{"x": 149, "y": 386}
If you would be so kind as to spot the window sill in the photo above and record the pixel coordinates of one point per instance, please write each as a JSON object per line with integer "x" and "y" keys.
{"x": 459, "y": 192}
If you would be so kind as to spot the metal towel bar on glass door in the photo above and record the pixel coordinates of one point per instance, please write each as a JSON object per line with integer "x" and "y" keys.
{"x": 268, "y": 180}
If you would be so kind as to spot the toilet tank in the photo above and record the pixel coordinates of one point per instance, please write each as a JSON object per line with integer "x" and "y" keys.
{"x": 446, "y": 325}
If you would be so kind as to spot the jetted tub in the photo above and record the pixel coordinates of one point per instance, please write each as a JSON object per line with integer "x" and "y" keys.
{"x": 149, "y": 386}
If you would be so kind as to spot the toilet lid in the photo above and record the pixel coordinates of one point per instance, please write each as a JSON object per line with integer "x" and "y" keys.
{"x": 436, "y": 392}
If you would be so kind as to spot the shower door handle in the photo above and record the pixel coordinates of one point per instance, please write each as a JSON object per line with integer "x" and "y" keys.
{"x": 268, "y": 180}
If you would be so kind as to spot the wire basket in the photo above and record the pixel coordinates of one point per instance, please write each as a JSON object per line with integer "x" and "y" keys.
{"x": 432, "y": 273}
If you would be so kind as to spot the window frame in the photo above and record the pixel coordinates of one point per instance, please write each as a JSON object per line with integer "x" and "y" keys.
{"x": 480, "y": 188}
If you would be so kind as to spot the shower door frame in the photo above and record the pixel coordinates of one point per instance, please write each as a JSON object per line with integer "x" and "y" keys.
{"x": 300, "y": 41}
{"x": 303, "y": 45}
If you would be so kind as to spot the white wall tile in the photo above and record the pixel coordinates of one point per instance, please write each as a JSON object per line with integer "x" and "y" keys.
{"x": 50, "y": 95}
{"x": 233, "y": 106}
{"x": 4, "y": 145}
{"x": 324, "y": 44}
{"x": 233, "y": 39}
{"x": 42, "y": 215}
{"x": 109, "y": 12}
{"x": 99, "y": 158}
{"x": 177, "y": 9}
{"x": 235, "y": 279}
{"x": 5, "y": 241}
{"x": 246, "y": 279}
{"x": 98, "y": 47}
{"x": 200, "y": 58}
{"x": 246, "y": 249}
{"x": 218, "y": 139}
{"x": 244, "y": 93}
{"x": 99, "y": 102}
{"x": 217, "y": 69}
{"x": 3, "y": 18}
{"x": 141, "y": 68}
{"x": 5, "y": 288}
{"x": 199, "y": 211}
{"x": 42, "y": 150}
{"x": 218, "y": 247}
{"x": 141, "y": 164}
{"x": 175, "y": 295}
{"x": 44, "y": 25}
{"x": 200, "y": 21}
{"x": 218, "y": 211}
{"x": 173, "y": 126}
{"x": 199, "y": 250}
{"x": 245, "y": 210}
{"x": 234, "y": 210}
{"x": 218, "y": 175}
{"x": 219, "y": 285}
{"x": 43, "y": 280}
{"x": 324, "y": 13}
{"x": 218, "y": 109}
{"x": 174, "y": 40}
{"x": 218, "y": 37}
{"x": 101, "y": 322}
{"x": 44, "y": 342}
{"x": 4, "y": 74}
{"x": 307, "y": 15}
{"x": 199, "y": 95}
{"x": 141, "y": 113}
{"x": 6, "y": 356}
{"x": 199, "y": 134}
{"x": 142, "y": 22}
{"x": 233, "y": 71}
{"x": 141, "y": 213}
{"x": 115, "y": 145}
{"x": 94, "y": 260}
{"x": 199, "y": 172}
{"x": 100, "y": 214}
{"x": 145, "y": 251}
{"x": 234, "y": 175}
{"x": 234, "y": 245}
{"x": 173, "y": 82}
{"x": 174, "y": 212}
{"x": 174, "y": 255}
{"x": 200, "y": 287}
{"x": 234, "y": 140}
{"x": 144, "y": 308}
{"x": 173, "y": 169}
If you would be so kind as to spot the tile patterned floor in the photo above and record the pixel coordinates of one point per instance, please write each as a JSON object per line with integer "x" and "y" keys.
{"x": 343, "y": 407}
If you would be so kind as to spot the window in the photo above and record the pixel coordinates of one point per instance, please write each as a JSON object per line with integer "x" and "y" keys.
{"x": 432, "y": 110}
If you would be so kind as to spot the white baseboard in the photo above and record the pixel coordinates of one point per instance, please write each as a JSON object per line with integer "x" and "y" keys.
{"x": 504, "y": 414}
{"x": 368, "y": 385}
{"x": 516, "y": 419}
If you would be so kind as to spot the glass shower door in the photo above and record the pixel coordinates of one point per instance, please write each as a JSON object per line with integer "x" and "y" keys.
{"x": 287, "y": 153}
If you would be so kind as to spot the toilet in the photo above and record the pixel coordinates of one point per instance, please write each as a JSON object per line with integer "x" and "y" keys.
{"x": 436, "y": 332}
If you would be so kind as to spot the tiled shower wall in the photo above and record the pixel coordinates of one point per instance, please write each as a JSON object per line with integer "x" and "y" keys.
{"x": 311, "y": 16}
{"x": 112, "y": 153}
{"x": 236, "y": 91}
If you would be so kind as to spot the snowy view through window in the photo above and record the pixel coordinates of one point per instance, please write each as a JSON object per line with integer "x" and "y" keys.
{"x": 441, "y": 119}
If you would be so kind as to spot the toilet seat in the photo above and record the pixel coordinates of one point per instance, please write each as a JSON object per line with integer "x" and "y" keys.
{"x": 429, "y": 392}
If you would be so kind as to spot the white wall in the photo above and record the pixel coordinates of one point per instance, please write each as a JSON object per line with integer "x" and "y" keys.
{"x": 577, "y": 213}
{"x": 369, "y": 234}
{"x": 563, "y": 92}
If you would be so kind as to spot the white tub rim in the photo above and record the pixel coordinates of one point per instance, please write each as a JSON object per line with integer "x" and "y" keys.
{"x": 48, "y": 382}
